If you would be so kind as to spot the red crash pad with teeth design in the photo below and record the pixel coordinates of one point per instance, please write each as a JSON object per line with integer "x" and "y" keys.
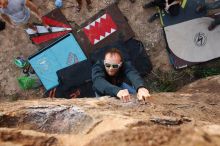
{"x": 100, "y": 29}
{"x": 106, "y": 27}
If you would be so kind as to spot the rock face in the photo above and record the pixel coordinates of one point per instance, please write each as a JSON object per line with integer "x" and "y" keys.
{"x": 186, "y": 118}
{"x": 55, "y": 119}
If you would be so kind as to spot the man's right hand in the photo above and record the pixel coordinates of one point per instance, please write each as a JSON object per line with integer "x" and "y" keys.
{"x": 124, "y": 95}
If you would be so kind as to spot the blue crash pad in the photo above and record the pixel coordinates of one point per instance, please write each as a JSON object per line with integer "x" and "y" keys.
{"x": 62, "y": 53}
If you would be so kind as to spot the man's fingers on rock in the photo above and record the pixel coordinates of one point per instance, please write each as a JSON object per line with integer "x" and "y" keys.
{"x": 129, "y": 98}
{"x": 142, "y": 98}
{"x": 123, "y": 99}
{"x": 146, "y": 98}
{"x": 143, "y": 102}
{"x": 126, "y": 98}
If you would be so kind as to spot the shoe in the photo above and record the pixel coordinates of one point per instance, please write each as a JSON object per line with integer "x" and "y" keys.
{"x": 35, "y": 30}
{"x": 211, "y": 26}
{"x": 116, "y": 2}
{"x": 153, "y": 17}
{"x": 200, "y": 8}
{"x": 148, "y": 5}
{"x": 78, "y": 8}
{"x": 33, "y": 27}
{"x": 20, "y": 62}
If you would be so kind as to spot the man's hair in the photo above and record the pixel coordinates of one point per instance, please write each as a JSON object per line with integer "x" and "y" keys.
{"x": 114, "y": 51}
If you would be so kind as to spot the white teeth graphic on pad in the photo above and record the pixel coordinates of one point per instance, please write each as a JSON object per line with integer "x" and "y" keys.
{"x": 93, "y": 23}
{"x": 96, "y": 41}
{"x": 112, "y": 30}
{"x": 98, "y": 21}
{"x": 104, "y": 16}
{"x": 101, "y": 37}
{"x": 107, "y": 34}
{"x": 87, "y": 27}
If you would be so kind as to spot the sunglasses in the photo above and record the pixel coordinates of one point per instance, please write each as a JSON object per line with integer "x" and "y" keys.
{"x": 114, "y": 66}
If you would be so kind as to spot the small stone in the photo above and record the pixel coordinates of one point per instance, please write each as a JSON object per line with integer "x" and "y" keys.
{"x": 165, "y": 120}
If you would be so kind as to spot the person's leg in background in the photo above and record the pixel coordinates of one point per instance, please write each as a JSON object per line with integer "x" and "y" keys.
{"x": 89, "y": 7}
{"x": 153, "y": 17}
{"x": 208, "y": 6}
{"x": 149, "y": 5}
{"x": 79, "y": 5}
{"x": 214, "y": 23}
{"x": 132, "y": 1}
{"x": 213, "y": 5}
{"x": 154, "y": 3}
{"x": 31, "y": 23}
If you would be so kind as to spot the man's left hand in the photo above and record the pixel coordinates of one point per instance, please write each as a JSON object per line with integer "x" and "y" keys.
{"x": 143, "y": 94}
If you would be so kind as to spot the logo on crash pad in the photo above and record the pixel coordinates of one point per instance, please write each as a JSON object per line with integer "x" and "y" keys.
{"x": 72, "y": 58}
{"x": 200, "y": 39}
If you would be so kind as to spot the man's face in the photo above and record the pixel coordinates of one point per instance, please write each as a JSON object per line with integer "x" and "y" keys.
{"x": 112, "y": 63}
{"x": 3, "y": 3}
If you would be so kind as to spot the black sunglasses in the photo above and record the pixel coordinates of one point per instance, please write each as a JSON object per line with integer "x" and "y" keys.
{"x": 115, "y": 66}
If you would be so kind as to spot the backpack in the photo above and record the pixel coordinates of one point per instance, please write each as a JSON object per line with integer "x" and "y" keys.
{"x": 138, "y": 56}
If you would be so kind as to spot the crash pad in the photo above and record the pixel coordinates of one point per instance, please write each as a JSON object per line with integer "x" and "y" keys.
{"x": 60, "y": 54}
{"x": 195, "y": 43}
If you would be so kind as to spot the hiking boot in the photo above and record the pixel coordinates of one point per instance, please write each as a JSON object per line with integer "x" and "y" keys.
{"x": 200, "y": 8}
{"x": 148, "y": 5}
{"x": 153, "y": 17}
{"x": 132, "y": 1}
{"x": 211, "y": 26}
